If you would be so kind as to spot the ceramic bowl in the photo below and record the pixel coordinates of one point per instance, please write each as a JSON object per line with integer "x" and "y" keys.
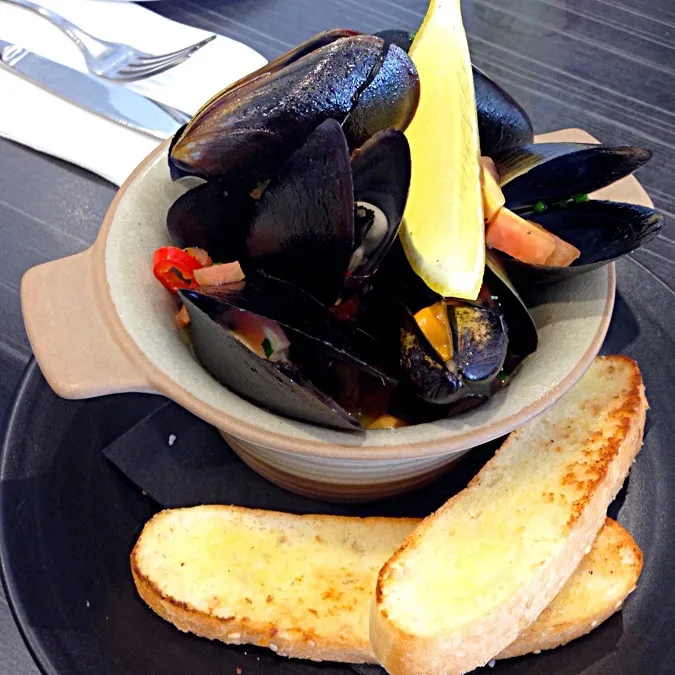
{"x": 99, "y": 323}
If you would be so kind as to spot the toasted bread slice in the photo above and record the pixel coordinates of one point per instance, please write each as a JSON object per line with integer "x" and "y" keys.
{"x": 310, "y": 580}
{"x": 300, "y": 585}
{"x": 597, "y": 589}
{"x": 479, "y": 571}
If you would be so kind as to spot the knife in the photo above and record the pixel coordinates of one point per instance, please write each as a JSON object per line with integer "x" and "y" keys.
{"x": 109, "y": 100}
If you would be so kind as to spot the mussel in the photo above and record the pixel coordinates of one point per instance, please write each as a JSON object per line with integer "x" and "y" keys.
{"x": 502, "y": 121}
{"x": 282, "y": 385}
{"x": 549, "y": 183}
{"x": 451, "y": 350}
{"x": 251, "y": 127}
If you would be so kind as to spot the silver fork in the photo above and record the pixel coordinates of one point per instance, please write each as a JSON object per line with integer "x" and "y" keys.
{"x": 112, "y": 60}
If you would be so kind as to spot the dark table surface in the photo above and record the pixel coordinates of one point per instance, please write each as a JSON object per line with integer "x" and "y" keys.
{"x": 607, "y": 66}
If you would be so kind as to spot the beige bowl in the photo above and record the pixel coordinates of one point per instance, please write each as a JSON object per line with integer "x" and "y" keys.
{"x": 99, "y": 324}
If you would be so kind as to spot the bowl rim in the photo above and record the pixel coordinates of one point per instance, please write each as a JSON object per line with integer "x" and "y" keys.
{"x": 316, "y": 447}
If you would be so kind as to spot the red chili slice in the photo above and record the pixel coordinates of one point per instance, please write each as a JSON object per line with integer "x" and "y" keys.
{"x": 174, "y": 268}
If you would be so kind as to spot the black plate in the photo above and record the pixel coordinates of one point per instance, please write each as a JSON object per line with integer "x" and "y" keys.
{"x": 68, "y": 519}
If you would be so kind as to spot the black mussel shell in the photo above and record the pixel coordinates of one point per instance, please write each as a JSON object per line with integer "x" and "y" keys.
{"x": 603, "y": 231}
{"x": 279, "y": 387}
{"x": 286, "y": 59}
{"x": 550, "y": 172}
{"x": 397, "y": 282}
{"x": 388, "y": 102}
{"x": 303, "y": 49}
{"x": 174, "y": 171}
{"x": 213, "y": 216}
{"x": 381, "y": 173}
{"x": 522, "y": 332}
{"x": 491, "y": 338}
{"x": 431, "y": 379}
{"x": 303, "y": 227}
{"x": 254, "y": 126}
{"x": 481, "y": 344}
{"x": 502, "y": 121}
{"x": 298, "y": 313}
{"x": 403, "y": 39}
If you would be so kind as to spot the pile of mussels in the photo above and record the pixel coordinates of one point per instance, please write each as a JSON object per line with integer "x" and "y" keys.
{"x": 307, "y": 174}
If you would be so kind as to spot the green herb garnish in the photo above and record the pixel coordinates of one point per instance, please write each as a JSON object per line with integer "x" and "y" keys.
{"x": 267, "y": 347}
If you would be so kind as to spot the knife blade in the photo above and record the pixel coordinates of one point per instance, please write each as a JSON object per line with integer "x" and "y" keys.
{"x": 107, "y": 99}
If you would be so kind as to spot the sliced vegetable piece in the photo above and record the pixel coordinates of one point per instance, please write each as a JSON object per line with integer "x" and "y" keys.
{"x": 387, "y": 422}
{"x": 433, "y": 322}
{"x": 262, "y": 336}
{"x": 199, "y": 254}
{"x": 563, "y": 255}
{"x": 520, "y": 238}
{"x": 183, "y": 318}
{"x": 216, "y": 275}
{"x": 443, "y": 232}
{"x": 174, "y": 268}
{"x": 490, "y": 166}
{"x": 493, "y": 197}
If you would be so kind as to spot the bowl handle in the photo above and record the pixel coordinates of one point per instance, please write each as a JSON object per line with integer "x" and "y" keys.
{"x": 68, "y": 333}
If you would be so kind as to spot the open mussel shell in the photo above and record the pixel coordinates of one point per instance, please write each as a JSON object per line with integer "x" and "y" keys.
{"x": 252, "y": 127}
{"x": 603, "y": 231}
{"x": 388, "y": 102}
{"x": 480, "y": 341}
{"x": 550, "y": 172}
{"x": 213, "y": 216}
{"x": 280, "y": 388}
{"x": 502, "y": 121}
{"x": 381, "y": 174}
{"x": 481, "y": 344}
{"x": 431, "y": 379}
{"x": 490, "y": 339}
{"x": 303, "y": 227}
{"x": 298, "y": 313}
{"x": 522, "y": 331}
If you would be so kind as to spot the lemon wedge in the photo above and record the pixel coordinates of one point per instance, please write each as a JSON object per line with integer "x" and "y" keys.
{"x": 443, "y": 232}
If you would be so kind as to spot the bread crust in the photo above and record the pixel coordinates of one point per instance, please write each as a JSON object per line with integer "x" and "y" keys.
{"x": 596, "y": 475}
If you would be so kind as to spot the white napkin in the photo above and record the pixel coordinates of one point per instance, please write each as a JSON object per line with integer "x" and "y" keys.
{"x": 45, "y": 122}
